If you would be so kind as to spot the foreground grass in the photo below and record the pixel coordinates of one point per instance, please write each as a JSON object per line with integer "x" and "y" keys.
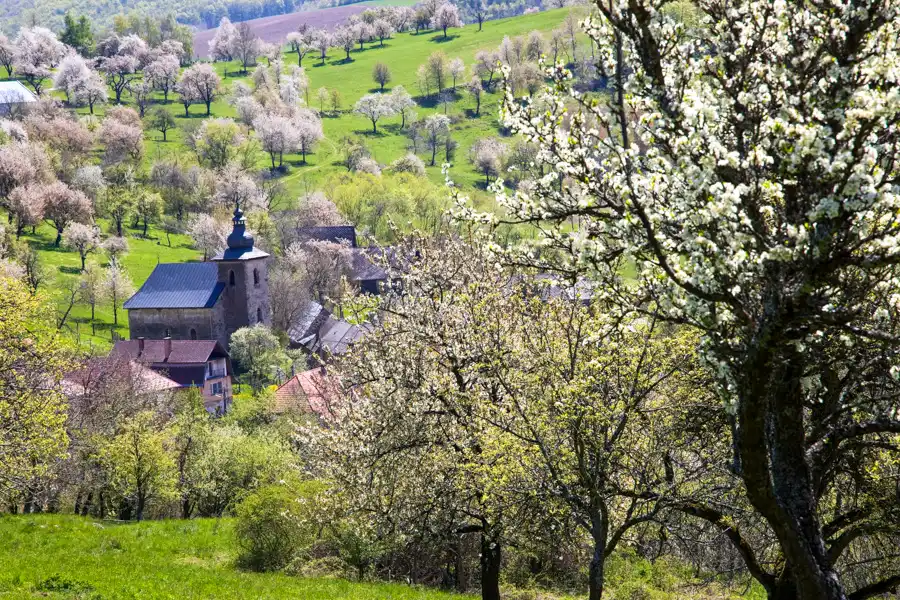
{"x": 54, "y": 556}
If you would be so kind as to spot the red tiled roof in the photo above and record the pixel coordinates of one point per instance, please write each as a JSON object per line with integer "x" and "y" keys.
{"x": 182, "y": 351}
{"x": 311, "y": 391}
{"x": 100, "y": 371}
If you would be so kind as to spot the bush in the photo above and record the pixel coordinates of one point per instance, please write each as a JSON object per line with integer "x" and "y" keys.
{"x": 328, "y": 566}
{"x": 274, "y": 524}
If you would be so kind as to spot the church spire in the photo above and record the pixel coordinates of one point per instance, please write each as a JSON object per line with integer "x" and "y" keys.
{"x": 239, "y": 239}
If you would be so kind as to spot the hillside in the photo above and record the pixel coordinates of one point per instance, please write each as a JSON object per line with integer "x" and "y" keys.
{"x": 48, "y": 556}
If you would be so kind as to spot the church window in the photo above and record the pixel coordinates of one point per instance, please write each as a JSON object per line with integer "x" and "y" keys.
{"x": 193, "y": 334}
{"x": 231, "y": 278}
{"x": 259, "y": 315}
{"x": 255, "y": 277}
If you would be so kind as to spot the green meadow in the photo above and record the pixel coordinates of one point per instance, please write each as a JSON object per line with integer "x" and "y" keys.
{"x": 72, "y": 558}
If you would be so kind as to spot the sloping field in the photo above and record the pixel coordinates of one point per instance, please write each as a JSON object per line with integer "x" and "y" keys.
{"x": 275, "y": 28}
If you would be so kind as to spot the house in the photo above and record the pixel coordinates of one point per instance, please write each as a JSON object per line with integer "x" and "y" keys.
{"x": 14, "y": 97}
{"x": 365, "y": 273}
{"x": 322, "y": 334}
{"x": 310, "y": 392}
{"x": 202, "y": 364}
{"x": 208, "y": 300}
{"x": 119, "y": 372}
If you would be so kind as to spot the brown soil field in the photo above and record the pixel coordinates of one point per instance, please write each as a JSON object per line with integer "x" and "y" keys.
{"x": 275, "y": 28}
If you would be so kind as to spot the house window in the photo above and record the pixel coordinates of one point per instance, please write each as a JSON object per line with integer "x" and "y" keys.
{"x": 168, "y": 332}
{"x": 209, "y": 367}
{"x": 231, "y": 278}
{"x": 255, "y": 277}
{"x": 217, "y": 388}
{"x": 259, "y": 315}
{"x": 193, "y": 334}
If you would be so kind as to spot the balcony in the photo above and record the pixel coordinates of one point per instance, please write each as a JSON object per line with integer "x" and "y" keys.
{"x": 215, "y": 373}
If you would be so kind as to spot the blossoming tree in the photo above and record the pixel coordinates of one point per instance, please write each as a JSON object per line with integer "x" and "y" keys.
{"x": 744, "y": 174}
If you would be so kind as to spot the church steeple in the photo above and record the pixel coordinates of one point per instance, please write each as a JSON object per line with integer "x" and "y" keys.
{"x": 239, "y": 239}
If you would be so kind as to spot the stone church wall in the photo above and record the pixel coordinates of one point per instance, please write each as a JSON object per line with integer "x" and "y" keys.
{"x": 177, "y": 323}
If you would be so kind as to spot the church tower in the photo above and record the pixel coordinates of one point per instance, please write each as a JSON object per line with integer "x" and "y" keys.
{"x": 243, "y": 270}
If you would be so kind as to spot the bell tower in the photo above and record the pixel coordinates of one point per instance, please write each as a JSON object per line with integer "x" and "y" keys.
{"x": 243, "y": 271}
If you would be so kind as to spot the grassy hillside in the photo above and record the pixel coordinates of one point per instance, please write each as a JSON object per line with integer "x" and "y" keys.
{"x": 51, "y": 556}
{"x": 403, "y": 54}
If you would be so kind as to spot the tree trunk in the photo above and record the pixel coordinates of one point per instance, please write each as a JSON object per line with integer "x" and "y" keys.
{"x": 771, "y": 450}
{"x": 145, "y": 235}
{"x": 139, "y": 511}
{"x": 490, "y": 569}
{"x": 86, "y": 507}
{"x": 58, "y": 237}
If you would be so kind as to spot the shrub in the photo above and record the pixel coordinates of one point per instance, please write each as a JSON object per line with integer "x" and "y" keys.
{"x": 275, "y": 523}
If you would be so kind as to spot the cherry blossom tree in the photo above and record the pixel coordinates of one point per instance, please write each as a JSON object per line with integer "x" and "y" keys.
{"x": 117, "y": 287}
{"x": 208, "y": 234}
{"x": 277, "y": 134}
{"x": 37, "y": 51}
{"x": 487, "y": 157}
{"x": 120, "y": 70}
{"x": 456, "y": 68}
{"x": 71, "y": 71}
{"x": 7, "y": 55}
{"x": 435, "y": 129}
{"x": 748, "y": 176}
{"x": 445, "y": 17}
{"x": 91, "y": 90}
{"x": 344, "y": 38}
{"x": 162, "y": 74}
{"x": 309, "y": 132}
{"x": 382, "y": 29}
{"x": 476, "y": 90}
{"x": 375, "y": 107}
{"x": 199, "y": 83}
{"x": 322, "y": 41}
{"x": 63, "y": 205}
{"x": 26, "y": 206}
{"x": 221, "y": 46}
{"x": 121, "y": 141}
{"x": 246, "y": 46}
{"x": 82, "y": 238}
{"x": 404, "y": 105}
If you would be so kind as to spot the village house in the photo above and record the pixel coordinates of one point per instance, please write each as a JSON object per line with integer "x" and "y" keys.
{"x": 14, "y": 97}
{"x": 201, "y": 364}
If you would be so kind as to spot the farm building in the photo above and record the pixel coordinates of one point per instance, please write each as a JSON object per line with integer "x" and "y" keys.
{"x": 14, "y": 96}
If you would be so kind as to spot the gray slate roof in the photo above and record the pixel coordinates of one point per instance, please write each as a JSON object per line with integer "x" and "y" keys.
{"x": 13, "y": 92}
{"x": 179, "y": 285}
{"x": 333, "y": 233}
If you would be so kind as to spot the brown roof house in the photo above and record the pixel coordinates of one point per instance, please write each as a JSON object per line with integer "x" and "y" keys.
{"x": 202, "y": 364}
{"x": 311, "y": 392}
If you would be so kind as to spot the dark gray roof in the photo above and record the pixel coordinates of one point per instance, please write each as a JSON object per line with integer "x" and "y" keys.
{"x": 334, "y": 233}
{"x": 364, "y": 268}
{"x": 307, "y": 323}
{"x": 179, "y": 285}
{"x": 240, "y": 254}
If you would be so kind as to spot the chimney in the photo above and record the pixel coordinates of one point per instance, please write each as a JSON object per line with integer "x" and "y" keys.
{"x": 167, "y": 346}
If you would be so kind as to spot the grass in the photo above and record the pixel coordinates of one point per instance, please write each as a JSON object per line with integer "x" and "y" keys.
{"x": 54, "y": 556}
{"x": 62, "y": 265}
{"x": 403, "y": 54}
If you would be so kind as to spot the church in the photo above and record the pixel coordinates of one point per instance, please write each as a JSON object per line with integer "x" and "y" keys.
{"x": 208, "y": 300}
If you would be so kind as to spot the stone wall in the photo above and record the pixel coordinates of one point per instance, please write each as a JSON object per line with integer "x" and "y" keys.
{"x": 178, "y": 323}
